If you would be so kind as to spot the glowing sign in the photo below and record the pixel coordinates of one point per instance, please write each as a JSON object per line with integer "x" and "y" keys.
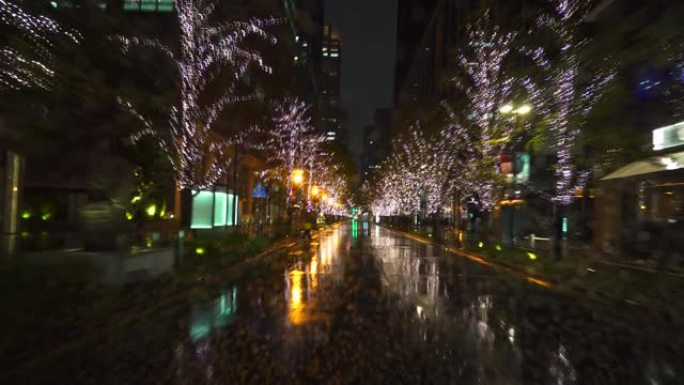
{"x": 668, "y": 137}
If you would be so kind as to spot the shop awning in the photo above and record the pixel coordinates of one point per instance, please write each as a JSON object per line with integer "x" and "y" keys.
{"x": 665, "y": 162}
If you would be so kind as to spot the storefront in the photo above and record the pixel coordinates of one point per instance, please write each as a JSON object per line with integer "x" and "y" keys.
{"x": 642, "y": 204}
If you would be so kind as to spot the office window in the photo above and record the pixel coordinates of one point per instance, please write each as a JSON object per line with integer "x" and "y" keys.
{"x": 148, "y": 5}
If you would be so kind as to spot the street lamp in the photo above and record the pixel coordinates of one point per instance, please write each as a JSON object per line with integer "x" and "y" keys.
{"x": 523, "y": 110}
{"x": 516, "y": 113}
{"x": 297, "y": 177}
{"x": 509, "y": 108}
{"x": 315, "y": 190}
{"x": 506, "y": 108}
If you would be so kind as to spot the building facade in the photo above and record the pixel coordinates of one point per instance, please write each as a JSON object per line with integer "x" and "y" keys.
{"x": 334, "y": 116}
{"x": 377, "y": 141}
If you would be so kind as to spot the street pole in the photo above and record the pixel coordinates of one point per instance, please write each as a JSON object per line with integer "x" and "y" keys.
{"x": 235, "y": 194}
{"x": 515, "y": 185}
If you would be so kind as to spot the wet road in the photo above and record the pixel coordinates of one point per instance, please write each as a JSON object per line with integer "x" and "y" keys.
{"x": 365, "y": 305}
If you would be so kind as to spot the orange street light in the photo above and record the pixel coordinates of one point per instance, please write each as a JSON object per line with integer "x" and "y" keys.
{"x": 315, "y": 190}
{"x": 297, "y": 177}
{"x": 324, "y": 196}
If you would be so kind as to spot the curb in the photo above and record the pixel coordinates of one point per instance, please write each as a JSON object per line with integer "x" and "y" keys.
{"x": 548, "y": 283}
{"x": 481, "y": 259}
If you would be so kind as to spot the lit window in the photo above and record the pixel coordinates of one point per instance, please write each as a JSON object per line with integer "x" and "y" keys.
{"x": 148, "y": 5}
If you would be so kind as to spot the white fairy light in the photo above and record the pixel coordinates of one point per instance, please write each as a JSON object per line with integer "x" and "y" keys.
{"x": 197, "y": 156}
{"x": 32, "y": 66}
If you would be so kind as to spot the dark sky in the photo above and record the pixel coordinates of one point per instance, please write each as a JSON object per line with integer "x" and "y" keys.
{"x": 368, "y": 30}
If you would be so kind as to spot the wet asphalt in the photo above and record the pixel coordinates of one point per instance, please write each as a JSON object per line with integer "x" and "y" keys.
{"x": 365, "y": 305}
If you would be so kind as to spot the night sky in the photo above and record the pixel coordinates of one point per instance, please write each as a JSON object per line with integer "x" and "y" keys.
{"x": 368, "y": 30}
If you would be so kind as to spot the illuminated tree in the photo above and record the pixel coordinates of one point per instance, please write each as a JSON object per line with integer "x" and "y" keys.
{"x": 29, "y": 65}
{"x": 334, "y": 186}
{"x": 197, "y": 155}
{"x": 569, "y": 93}
{"x": 420, "y": 173}
{"x": 292, "y": 143}
{"x": 485, "y": 87}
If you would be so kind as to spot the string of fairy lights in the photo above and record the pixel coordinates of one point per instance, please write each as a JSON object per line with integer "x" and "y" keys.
{"x": 198, "y": 157}
{"x": 419, "y": 174}
{"x": 295, "y": 145}
{"x": 32, "y": 66}
{"x": 572, "y": 98}
{"x": 423, "y": 172}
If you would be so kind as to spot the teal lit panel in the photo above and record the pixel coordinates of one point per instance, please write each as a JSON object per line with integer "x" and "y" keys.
{"x": 165, "y": 6}
{"x": 148, "y": 5}
{"x": 202, "y": 210}
{"x": 231, "y": 206}
{"x": 220, "y": 209}
{"x": 131, "y": 5}
{"x": 200, "y": 325}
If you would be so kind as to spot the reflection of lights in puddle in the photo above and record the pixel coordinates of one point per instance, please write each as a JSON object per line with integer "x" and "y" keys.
{"x": 296, "y": 301}
{"x": 539, "y": 282}
{"x": 205, "y": 319}
{"x": 313, "y": 272}
{"x": 419, "y": 310}
{"x": 511, "y": 335}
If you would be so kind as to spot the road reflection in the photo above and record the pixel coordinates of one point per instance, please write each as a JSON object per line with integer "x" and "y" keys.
{"x": 364, "y": 297}
{"x": 302, "y": 279}
{"x": 501, "y": 329}
{"x": 372, "y": 306}
{"x": 205, "y": 318}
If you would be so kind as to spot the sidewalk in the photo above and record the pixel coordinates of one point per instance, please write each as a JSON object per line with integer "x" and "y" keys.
{"x": 81, "y": 313}
{"x": 639, "y": 286}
